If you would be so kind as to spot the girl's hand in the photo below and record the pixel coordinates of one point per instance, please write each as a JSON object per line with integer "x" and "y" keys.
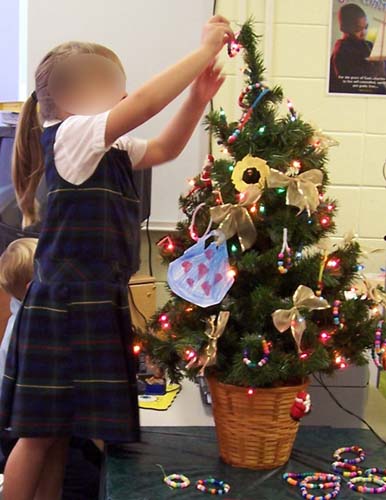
{"x": 216, "y": 33}
{"x": 206, "y": 85}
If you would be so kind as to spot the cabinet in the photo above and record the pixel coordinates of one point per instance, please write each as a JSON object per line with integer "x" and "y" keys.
{"x": 142, "y": 299}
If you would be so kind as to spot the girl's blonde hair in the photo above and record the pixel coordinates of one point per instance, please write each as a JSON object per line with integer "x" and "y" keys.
{"x": 16, "y": 266}
{"x": 28, "y": 161}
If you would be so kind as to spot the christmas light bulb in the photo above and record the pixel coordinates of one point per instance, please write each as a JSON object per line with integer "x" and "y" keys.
{"x": 250, "y": 391}
{"x": 325, "y": 221}
{"x": 330, "y": 207}
{"x": 232, "y": 273}
{"x": 253, "y": 209}
{"x": 280, "y": 190}
{"x": 190, "y": 354}
{"x": 262, "y": 209}
{"x": 231, "y": 168}
{"x": 324, "y": 337}
{"x": 234, "y": 248}
{"x": 163, "y": 318}
{"x": 297, "y": 164}
{"x": 191, "y": 182}
{"x": 303, "y": 356}
{"x": 333, "y": 263}
{"x": 136, "y": 348}
{"x": 170, "y": 246}
{"x": 262, "y": 129}
{"x": 189, "y": 309}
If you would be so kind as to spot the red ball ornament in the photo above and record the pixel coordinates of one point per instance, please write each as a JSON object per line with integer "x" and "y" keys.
{"x": 232, "y": 139}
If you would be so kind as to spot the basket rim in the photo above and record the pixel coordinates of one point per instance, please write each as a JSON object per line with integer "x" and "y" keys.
{"x": 256, "y": 390}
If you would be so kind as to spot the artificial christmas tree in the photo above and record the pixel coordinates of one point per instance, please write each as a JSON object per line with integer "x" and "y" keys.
{"x": 262, "y": 298}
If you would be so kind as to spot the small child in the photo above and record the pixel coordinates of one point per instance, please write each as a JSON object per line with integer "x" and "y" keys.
{"x": 350, "y": 53}
{"x": 16, "y": 271}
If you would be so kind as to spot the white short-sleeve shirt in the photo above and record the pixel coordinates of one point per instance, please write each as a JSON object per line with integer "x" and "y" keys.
{"x": 80, "y": 145}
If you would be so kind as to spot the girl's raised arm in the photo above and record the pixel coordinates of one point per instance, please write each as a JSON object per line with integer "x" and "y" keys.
{"x": 158, "y": 92}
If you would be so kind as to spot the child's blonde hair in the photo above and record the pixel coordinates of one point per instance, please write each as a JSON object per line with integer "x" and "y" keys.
{"x": 16, "y": 266}
{"x": 28, "y": 162}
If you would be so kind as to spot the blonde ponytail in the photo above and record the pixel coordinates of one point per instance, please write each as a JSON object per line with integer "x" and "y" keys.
{"x": 27, "y": 162}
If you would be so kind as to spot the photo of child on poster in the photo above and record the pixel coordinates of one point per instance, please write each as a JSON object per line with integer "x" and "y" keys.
{"x": 357, "y": 63}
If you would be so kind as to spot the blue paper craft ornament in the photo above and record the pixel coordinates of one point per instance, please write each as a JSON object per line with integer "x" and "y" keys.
{"x": 202, "y": 275}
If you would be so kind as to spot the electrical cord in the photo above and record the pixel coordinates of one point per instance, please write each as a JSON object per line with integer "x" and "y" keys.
{"x": 211, "y": 105}
{"x": 135, "y": 305}
{"x": 150, "y": 256}
{"x": 336, "y": 401}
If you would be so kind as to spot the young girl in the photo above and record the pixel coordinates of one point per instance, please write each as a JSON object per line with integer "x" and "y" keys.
{"x": 69, "y": 368}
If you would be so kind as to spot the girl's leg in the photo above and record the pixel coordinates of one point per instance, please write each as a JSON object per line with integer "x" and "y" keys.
{"x": 51, "y": 478}
{"x": 24, "y": 467}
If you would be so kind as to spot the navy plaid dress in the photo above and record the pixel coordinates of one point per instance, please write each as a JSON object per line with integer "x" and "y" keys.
{"x": 70, "y": 367}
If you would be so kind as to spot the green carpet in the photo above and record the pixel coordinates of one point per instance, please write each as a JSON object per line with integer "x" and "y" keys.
{"x": 382, "y": 384}
{"x": 131, "y": 473}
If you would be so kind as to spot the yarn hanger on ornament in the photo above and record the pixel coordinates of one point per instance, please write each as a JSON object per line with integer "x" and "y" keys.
{"x": 284, "y": 262}
{"x": 249, "y": 110}
{"x": 319, "y": 289}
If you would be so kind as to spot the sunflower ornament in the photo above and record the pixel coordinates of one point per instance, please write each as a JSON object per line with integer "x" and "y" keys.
{"x": 250, "y": 170}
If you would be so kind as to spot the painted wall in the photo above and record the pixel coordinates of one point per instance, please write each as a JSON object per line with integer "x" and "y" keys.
{"x": 9, "y": 50}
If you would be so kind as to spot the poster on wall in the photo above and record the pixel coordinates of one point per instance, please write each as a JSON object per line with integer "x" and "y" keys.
{"x": 357, "y": 62}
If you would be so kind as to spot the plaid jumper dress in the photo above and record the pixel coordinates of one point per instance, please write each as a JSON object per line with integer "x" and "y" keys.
{"x": 70, "y": 367}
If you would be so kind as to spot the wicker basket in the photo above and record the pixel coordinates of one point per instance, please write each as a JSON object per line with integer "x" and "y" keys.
{"x": 254, "y": 431}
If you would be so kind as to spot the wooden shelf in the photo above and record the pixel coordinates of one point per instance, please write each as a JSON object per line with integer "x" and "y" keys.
{"x": 11, "y": 106}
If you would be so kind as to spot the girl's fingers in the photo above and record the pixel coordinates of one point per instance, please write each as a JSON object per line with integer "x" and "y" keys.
{"x": 218, "y": 19}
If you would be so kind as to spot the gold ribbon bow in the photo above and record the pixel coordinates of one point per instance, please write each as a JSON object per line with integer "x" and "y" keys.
{"x": 322, "y": 141}
{"x": 370, "y": 291}
{"x": 302, "y": 190}
{"x": 236, "y": 219}
{"x": 214, "y": 332}
{"x": 303, "y": 298}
